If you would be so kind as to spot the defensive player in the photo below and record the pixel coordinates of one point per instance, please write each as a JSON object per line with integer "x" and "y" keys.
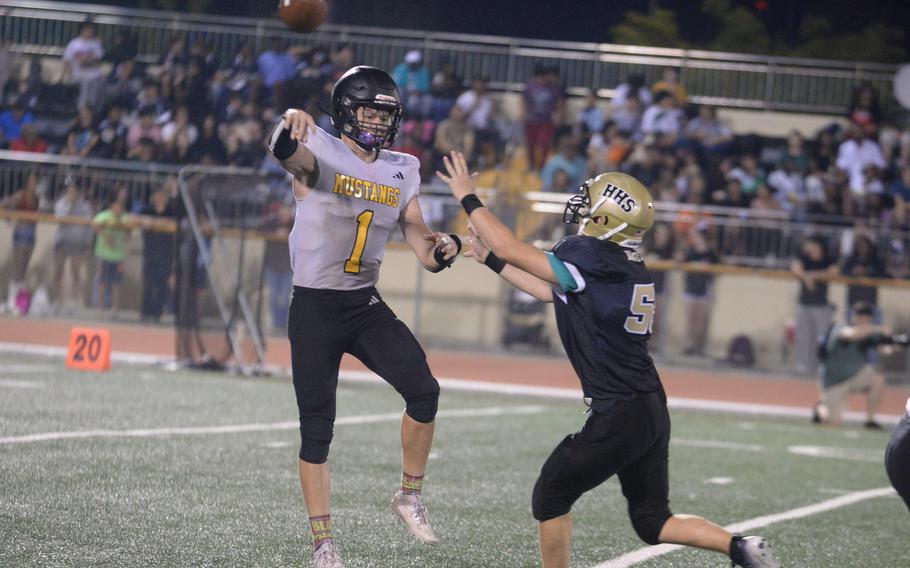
{"x": 351, "y": 193}
{"x": 897, "y": 457}
{"x": 604, "y": 299}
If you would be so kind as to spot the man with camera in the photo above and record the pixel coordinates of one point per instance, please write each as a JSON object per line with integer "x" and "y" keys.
{"x": 845, "y": 367}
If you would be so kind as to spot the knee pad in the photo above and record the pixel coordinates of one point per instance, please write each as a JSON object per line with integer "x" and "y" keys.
{"x": 315, "y": 438}
{"x": 649, "y": 522}
{"x": 422, "y": 407}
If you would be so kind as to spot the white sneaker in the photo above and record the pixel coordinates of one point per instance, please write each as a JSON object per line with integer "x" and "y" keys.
{"x": 414, "y": 514}
{"x": 757, "y": 553}
{"x": 326, "y": 556}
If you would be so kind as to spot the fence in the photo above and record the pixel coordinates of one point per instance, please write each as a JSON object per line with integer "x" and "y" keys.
{"x": 727, "y": 79}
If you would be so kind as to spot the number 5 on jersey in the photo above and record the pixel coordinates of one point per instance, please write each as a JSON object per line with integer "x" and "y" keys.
{"x": 352, "y": 264}
{"x": 642, "y": 308}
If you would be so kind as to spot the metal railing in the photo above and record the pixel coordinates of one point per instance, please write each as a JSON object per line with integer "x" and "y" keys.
{"x": 727, "y": 79}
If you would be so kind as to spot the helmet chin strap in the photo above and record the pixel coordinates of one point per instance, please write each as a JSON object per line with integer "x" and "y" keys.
{"x": 612, "y": 232}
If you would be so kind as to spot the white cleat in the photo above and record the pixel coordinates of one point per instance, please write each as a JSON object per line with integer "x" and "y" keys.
{"x": 326, "y": 556}
{"x": 414, "y": 514}
{"x": 757, "y": 553}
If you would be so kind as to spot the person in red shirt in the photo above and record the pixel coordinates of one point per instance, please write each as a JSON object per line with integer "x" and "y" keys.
{"x": 29, "y": 141}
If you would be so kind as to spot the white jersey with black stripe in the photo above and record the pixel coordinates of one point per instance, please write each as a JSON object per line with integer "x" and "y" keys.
{"x": 342, "y": 226}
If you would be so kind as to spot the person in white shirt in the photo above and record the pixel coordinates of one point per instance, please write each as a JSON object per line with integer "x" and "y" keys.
{"x": 477, "y": 105}
{"x": 662, "y": 117}
{"x": 854, "y": 155}
{"x": 82, "y": 59}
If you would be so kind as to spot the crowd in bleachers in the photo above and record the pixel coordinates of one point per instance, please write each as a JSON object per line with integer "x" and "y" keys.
{"x": 191, "y": 108}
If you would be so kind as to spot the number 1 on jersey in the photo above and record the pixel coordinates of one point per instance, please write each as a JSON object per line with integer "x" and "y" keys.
{"x": 642, "y": 308}
{"x": 352, "y": 264}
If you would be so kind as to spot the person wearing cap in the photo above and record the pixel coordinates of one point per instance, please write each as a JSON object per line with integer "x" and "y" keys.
{"x": 413, "y": 80}
{"x": 897, "y": 457}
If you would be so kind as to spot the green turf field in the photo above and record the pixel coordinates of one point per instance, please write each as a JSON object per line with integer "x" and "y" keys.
{"x": 195, "y": 497}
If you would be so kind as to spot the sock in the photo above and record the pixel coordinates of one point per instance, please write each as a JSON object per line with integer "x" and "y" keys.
{"x": 411, "y": 484}
{"x": 321, "y": 527}
{"x": 736, "y": 553}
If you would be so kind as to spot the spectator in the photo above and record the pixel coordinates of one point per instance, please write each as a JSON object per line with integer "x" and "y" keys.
{"x": 731, "y": 196}
{"x": 82, "y": 59}
{"x": 11, "y": 122}
{"x": 112, "y": 133}
{"x": 125, "y": 47}
{"x": 813, "y": 312}
{"x": 25, "y": 200}
{"x": 633, "y": 87}
{"x": 662, "y": 117}
{"x": 698, "y": 290}
{"x": 796, "y": 150}
{"x": 144, "y": 129}
{"x": 180, "y": 123}
{"x": 542, "y": 111}
{"x": 82, "y": 137}
{"x": 208, "y": 148}
{"x": 606, "y": 152}
{"x": 568, "y": 159}
{"x": 670, "y": 83}
{"x": 445, "y": 88}
{"x": 243, "y": 139}
{"x": 864, "y": 111}
{"x": 478, "y": 106}
{"x": 157, "y": 220}
{"x": 710, "y": 133}
{"x": 277, "y": 263}
{"x": 7, "y": 63}
{"x": 764, "y": 199}
{"x": 71, "y": 241}
{"x": 176, "y": 57}
{"x": 590, "y": 117}
{"x": 846, "y": 368}
{"x": 900, "y": 190}
{"x": 748, "y": 173}
{"x": 124, "y": 83}
{"x": 789, "y": 187}
{"x": 662, "y": 250}
{"x": 276, "y": 67}
{"x": 627, "y": 116}
{"x": 824, "y": 149}
{"x": 29, "y": 141}
{"x": 863, "y": 262}
{"x": 854, "y": 154}
{"x": 110, "y": 251}
{"x": 454, "y": 134}
{"x": 413, "y": 80}
{"x": 149, "y": 98}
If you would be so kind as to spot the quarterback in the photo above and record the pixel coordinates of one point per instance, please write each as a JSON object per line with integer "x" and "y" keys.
{"x": 351, "y": 192}
{"x": 604, "y": 300}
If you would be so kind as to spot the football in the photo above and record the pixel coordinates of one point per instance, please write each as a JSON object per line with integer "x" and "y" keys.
{"x": 303, "y": 15}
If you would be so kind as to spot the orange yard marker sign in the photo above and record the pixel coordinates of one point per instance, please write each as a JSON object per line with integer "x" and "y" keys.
{"x": 89, "y": 349}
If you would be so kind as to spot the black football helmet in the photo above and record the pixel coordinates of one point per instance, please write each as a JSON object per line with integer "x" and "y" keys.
{"x": 370, "y": 87}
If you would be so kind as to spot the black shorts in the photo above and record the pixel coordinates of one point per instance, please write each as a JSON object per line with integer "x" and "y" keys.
{"x": 323, "y": 325}
{"x": 897, "y": 459}
{"x": 630, "y": 439}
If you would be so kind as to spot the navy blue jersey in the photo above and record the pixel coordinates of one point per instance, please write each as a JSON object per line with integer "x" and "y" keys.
{"x": 605, "y": 322}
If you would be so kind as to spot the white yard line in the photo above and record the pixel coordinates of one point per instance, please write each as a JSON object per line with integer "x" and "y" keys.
{"x": 486, "y": 386}
{"x": 16, "y": 384}
{"x": 259, "y": 427}
{"x": 716, "y": 444}
{"x": 650, "y": 552}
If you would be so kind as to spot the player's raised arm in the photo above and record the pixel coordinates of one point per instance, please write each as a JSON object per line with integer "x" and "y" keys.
{"x": 504, "y": 244}
{"x": 287, "y": 142}
{"x": 517, "y": 277}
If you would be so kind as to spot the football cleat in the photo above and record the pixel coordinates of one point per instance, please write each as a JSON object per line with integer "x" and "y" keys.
{"x": 413, "y": 512}
{"x": 755, "y": 552}
{"x": 326, "y": 556}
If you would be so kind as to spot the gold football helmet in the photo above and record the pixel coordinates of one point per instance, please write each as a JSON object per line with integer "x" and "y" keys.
{"x": 612, "y": 206}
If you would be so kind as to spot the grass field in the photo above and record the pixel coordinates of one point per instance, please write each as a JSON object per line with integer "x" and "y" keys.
{"x": 145, "y": 480}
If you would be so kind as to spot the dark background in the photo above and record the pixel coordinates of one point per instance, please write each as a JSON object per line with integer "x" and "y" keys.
{"x": 592, "y": 20}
